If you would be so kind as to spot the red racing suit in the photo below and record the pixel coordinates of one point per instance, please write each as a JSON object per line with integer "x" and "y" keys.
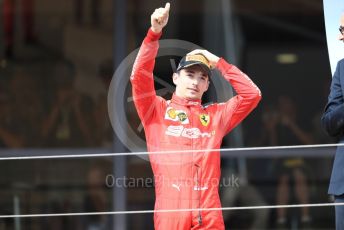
{"x": 187, "y": 179}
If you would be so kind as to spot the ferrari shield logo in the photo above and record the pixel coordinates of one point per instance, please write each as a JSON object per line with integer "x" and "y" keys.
{"x": 205, "y": 119}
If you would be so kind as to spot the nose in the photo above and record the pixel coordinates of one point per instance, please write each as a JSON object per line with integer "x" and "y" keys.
{"x": 341, "y": 37}
{"x": 195, "y": 81}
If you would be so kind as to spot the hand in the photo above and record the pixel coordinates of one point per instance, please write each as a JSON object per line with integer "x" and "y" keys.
{"x": 159, "y": 18}
{"x": 213, "y": 59}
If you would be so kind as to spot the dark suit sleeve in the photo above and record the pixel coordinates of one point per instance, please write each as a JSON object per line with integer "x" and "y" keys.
{"x": 333, "y": 118}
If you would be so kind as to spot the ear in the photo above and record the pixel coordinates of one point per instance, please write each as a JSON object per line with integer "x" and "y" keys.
{"x": 175, "y": 77}
{"x": 207, "y": 85}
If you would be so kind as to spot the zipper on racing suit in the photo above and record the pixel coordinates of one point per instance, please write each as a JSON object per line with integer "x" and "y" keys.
{"x": 199, "y": 195}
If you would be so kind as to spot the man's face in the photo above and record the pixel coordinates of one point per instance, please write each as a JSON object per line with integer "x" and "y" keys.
{"x": 341, "y": 28}
{"x": 191, "y": 82}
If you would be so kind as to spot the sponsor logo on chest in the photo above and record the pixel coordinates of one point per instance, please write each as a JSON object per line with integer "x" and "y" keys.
{"x": 192, "y": 133}
{"x": 205, "y": 119}
{"x": 176, "y": 115}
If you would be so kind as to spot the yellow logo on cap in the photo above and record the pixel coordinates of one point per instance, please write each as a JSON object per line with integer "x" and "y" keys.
{"x": 199, "y": 58}
{"x": 205, "y": 119}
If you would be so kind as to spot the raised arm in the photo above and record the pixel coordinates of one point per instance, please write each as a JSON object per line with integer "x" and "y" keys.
{"x": 247, "y": 98}
{"x": 248, "y": 94}
{"x": 142, "y": 74}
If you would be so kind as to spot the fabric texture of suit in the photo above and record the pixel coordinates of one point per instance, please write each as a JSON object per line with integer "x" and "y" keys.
{"x": 333, "y": 122}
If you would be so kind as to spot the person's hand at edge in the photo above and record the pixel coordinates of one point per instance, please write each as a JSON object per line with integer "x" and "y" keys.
{"x": 213, "y": 59}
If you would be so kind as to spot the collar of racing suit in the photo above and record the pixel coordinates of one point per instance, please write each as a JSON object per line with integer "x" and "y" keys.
{"x": 185, "y": 102}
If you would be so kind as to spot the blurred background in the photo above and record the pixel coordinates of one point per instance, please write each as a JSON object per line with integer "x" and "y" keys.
{"x": 57, "y": 59}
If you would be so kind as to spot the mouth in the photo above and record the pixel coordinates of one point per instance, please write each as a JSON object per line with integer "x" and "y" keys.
{"x": 193, "y": 90}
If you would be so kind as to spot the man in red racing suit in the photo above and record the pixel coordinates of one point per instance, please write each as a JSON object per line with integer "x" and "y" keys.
{"x": 182, "y": 131}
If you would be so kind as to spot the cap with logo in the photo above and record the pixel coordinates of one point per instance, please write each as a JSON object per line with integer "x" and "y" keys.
{"x": 195, "y": 59}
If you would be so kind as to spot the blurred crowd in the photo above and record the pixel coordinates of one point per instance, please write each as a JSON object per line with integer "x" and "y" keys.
{"x": 49, "y": 111}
